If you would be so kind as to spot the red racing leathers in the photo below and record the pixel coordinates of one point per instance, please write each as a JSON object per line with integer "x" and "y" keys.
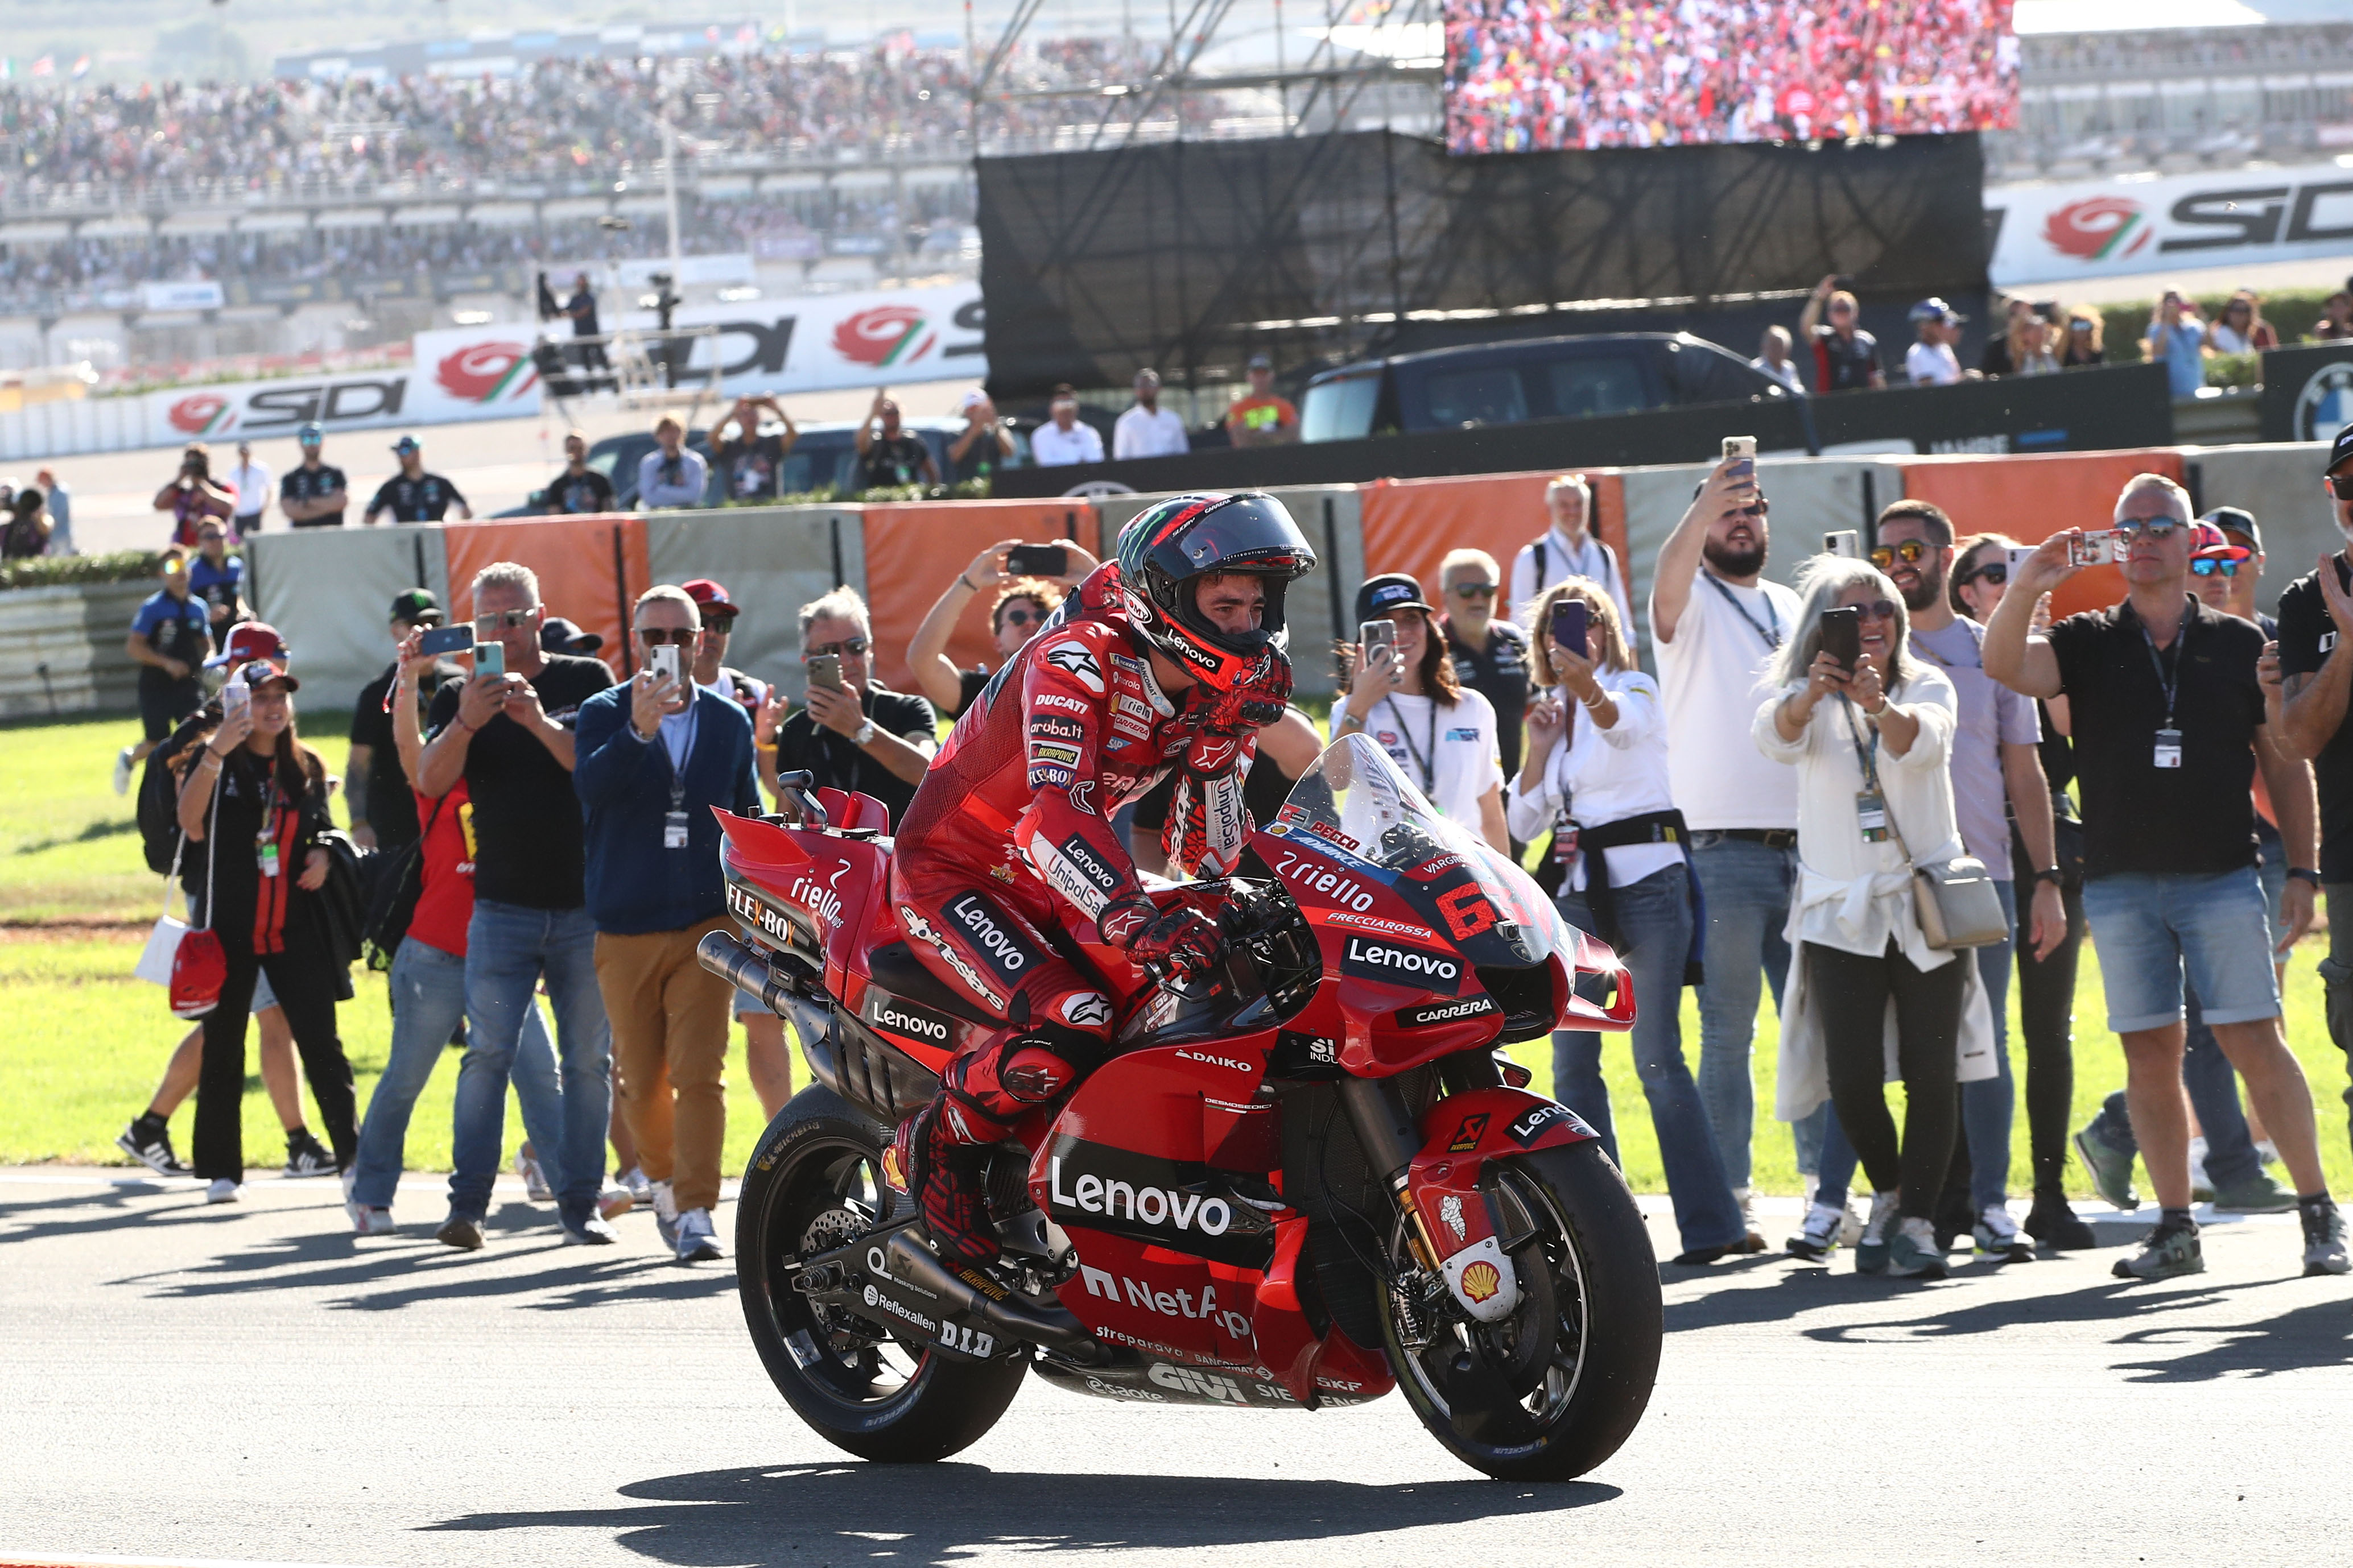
{"x": 1009, "y": 836}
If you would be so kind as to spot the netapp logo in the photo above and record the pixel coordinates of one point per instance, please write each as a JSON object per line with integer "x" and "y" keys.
{"x": 1165, "y": 1303}
{"x": 908, "y": 1021}
{"x": 1402, "y": 960}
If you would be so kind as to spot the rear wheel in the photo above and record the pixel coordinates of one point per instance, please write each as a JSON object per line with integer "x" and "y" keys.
{"x": 816, "y": 1184}
{"x": 1553, "y": 1390}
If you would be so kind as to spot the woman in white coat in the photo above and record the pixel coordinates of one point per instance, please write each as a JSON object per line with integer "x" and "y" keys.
{"x": 1872, "y": 746}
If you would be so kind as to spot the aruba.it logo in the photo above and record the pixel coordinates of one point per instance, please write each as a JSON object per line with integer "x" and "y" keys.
{"x": 884, "y": 335}
{"x": 485, "y": 372}
{"x": 2097, "y": 228}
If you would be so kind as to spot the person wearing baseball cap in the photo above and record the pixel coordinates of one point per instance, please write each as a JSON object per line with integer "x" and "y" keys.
{"x": 2316, "y": 666}
{"x": 1261, "y": 419}
{"x": 1930, "y": 360}
{"x": 1064, "y": 439}
{"x": 375, "y": 787}
{"x": 557, "y": 634}
{"x": 314, "y": 494}
{"x": 1403, "y": 693}
{"x": 413, "y": 495}
{"x": 2226, "y": 561}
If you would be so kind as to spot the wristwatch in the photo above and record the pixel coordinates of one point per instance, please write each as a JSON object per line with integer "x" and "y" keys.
{"x": 863, "y": 735}
{"x": 2302, "y": 875}
{"x": 2050, "y": 874}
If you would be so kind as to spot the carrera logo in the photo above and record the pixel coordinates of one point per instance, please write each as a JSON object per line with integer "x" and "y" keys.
{"x": 2097, "y": 228}
{"x": 1165, "y": 1303}
{"x": 1444, "y": 1011}
{"x": 1091, "y": 1195}
{"x": 1398, "y": 964}
{"x": 1227, "y": 1062}
{"x": 908, "y": 1019}
{"x": 1531, "y": 1126}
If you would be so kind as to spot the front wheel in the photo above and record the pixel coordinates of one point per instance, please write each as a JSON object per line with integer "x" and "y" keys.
{"x": 816, "y": 1184}
{"x": 1553, "y": 1390}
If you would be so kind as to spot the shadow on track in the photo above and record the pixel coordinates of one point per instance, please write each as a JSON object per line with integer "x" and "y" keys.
{"x": 944, "y": 1514}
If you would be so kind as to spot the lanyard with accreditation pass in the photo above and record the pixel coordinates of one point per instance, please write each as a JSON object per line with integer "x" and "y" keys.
{"x": 2168, "y": 752}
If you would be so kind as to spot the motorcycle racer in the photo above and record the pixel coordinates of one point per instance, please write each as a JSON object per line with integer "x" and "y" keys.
{"x": 1169, "y": 656}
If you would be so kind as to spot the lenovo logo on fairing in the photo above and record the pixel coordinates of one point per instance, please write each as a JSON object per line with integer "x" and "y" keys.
{"x": 1152, "y": 1206}
{"x": 1404, "y": 961}
{"x": 907, "y": 1023}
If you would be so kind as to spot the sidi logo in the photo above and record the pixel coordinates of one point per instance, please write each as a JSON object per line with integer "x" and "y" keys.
{"x": 1152, "y": 1206}
{"x": 1166, "y": 1303}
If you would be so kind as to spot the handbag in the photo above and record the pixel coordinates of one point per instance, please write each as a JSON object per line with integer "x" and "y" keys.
{"x": 198, "y": 967}
{"x": 155, "y": 965}
{"x": 1954, "y": 900}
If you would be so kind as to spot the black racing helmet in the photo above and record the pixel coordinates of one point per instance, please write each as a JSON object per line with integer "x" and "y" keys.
{"x": 1174, "y": 542}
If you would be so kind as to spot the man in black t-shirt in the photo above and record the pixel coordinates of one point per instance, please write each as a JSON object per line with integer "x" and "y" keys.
{"x": 865, "y": 737}
{"x": 413, "y": 495}
{"x": 2167, "y": 720}
{"x": 2316, "y": 627}
{"x": 1491, "y": 657}
{"x": 375, "y": 787}
{"x": 889, "y": 456}
{"x": 509, "y": 737}
{"x": 579, "y": 490}
{"x": 314, "y": 494}
{"x": 751, "y": 464}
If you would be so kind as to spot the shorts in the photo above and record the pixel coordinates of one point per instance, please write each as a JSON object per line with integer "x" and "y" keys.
{"x": 162, "y": 707}
{"x": 2151, "y": 930}
{"x": 264, "y": 998}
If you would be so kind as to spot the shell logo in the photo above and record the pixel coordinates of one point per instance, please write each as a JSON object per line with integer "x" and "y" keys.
{"x": 1482, "y": 1281}
{"x": 884, "y": 335}
{"x": 201, "y": 414}
{"x": 485, "y": 372}
{"x": 2097, "y": 228}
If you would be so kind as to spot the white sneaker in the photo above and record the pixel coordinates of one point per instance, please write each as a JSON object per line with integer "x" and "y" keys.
{"x": 2201, "y": 1187}
{"x": 1871, "y": 1248}
{"x": 697, "y": 1241}
{"x": 222, "y": 1191}
{"x": 1998, "y": 1235}
{"x": 2267, "y": 1153}
{"x": 369, "y": 1221}
{"x": 1754, "y": 1240}
{"x": 666, "y": 1215}
{"x": 534, "y": 1180}
{"x": 122, "y": 770}
{"x": 614, "y": 1202}
{"x": 1819, "y": 1235}
{"x": 1849, "y": 1224}
{"x": 634, "y": 1178}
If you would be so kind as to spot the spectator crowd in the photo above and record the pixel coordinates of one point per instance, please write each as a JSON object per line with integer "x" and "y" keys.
{"x": 1884, "y": 797}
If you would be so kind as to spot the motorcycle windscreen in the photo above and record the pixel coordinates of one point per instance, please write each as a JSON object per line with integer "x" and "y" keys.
{"x": 1354, "y": 807}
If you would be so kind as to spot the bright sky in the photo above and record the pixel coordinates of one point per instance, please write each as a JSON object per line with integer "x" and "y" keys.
{"x": 2118, "y": 16}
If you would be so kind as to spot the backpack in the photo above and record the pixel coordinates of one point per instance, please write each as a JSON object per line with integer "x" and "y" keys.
{"x": 158, "y": 803}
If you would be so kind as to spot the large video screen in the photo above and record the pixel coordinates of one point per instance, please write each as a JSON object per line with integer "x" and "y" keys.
{"x": 1542, "y": 75}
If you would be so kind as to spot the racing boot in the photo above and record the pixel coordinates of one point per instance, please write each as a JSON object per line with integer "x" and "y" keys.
{"x": 943, "y": 1150}
{"x": 944, "y": 1176}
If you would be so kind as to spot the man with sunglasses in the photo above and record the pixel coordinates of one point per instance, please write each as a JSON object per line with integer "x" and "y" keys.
{"x": 2169, "y": 720}
{"x": 864, "y": 737}
{"x": 654, "y": 757}
{"x": 2316, "y": 657}
{"x": 509, "y": 736}
{"x": 1017, "y": 613}
{"x": 1996, "y": 763}
{"x": 1491, "y": 657}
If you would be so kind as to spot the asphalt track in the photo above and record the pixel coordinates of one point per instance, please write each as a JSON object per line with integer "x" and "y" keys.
{"x": 252, "y": 1384}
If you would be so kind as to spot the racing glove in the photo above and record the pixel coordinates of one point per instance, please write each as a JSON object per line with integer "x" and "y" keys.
{"x": 1183, "y": 938}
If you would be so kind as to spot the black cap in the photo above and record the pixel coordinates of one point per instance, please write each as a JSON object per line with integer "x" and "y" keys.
{"x": 1390, "y": 591}
{"x": 418, "y": 606}
{"x": 2341, "y": 451}
{"x": 2236, "y": 520}
{"x": 557, "y": 634}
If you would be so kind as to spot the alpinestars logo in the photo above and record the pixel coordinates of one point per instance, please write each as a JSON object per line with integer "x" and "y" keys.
{"x": 1087, "y": 1010}
{"x": 1073, "y": 659}
{"x": 916, "y": 926}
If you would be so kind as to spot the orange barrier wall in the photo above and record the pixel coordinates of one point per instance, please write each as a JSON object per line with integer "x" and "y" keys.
{"x": 914, "y": 550}
{"x": 1411, "y": 524}
{"x": 591, "y": 570}
{"x": 2032, "y": 498}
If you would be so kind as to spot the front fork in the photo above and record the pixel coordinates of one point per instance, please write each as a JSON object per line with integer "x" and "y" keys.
{"x": 1480, "y": 1276}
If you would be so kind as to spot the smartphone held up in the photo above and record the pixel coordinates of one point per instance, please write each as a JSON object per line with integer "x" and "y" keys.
{"x": 1842, "y": 635}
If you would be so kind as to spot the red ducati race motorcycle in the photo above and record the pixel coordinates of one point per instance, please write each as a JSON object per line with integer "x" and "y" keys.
{"x": 1296, "y": 1179}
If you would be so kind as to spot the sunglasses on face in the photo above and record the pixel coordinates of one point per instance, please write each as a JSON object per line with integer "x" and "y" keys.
{"x": 1911, "y": 552}
{"x": 1994, "y": 571}
{"x": 853, "y": 647}
{"x": 654, "y": 636}
{"x": 2132, "y": 529}
{"x": 1876, "y": 609}
{"x": 1475, "y": 590}
{"x": 488, "y": 626}
{"x": 2341, "y": 486}
{"x": 1015, "y": 616}
{"x": 2216, "y": 568}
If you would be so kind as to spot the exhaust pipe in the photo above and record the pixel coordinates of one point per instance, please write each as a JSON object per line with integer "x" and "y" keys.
{"x": 741, "y": 968}
{"x": 907, "y": 1259}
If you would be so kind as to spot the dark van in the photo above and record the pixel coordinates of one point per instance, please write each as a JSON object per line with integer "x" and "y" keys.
{"x": 1531, "y": 378}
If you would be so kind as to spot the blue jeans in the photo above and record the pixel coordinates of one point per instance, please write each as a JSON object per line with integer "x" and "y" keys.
{"x": 2207, "y": 1074}
{"x": 1988, "y": 1105}
{"x": 508, "y": 949}
{"x": 1654, "y": 918}
{"x": 1745, "y": 888}
{"x": 428, "y": 997}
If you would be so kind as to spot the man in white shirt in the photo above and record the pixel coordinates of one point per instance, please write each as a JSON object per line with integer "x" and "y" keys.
{"x": 252, "y": 483}
{"x": 1716, "y": 624}
{"x": 1567, "y": 548}
{"x": 1930, "y": 361}
{"x": 1773, "y": 359}
{"x": 1063, "y": 439}
{"x": 1148, "y": 430}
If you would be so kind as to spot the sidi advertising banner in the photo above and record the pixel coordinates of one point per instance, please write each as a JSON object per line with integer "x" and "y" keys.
{"x": 2109, "y": 228}
{"x": 473, "y": 373}
{"x": 824, "y": 341}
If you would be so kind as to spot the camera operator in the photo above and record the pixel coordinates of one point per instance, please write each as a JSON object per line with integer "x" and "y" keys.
{"x": 192, "y": 496}
{"x": 2168, "y": 718}
{"x": 889, "y": 456}
{"x": 752, "y": 465}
